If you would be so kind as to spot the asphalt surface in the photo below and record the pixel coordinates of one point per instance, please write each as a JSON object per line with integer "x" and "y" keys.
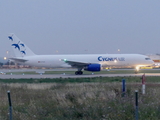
{"x": 38, "y": 76}
{"x": 58, "y": 69}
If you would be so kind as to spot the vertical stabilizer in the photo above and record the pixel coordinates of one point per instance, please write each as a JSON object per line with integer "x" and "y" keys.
{"x": 20, "y": 49}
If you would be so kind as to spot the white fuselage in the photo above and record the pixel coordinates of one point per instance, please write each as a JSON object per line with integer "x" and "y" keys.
{"x": 106, "y": 60}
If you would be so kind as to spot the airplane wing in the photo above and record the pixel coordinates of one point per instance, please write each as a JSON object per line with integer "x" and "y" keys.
{"x": 18, "y": 59}
{"x": 75, "y": 63}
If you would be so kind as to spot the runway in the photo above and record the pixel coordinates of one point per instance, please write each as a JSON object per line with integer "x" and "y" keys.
{"x": 38, "y": 76}
{"x": 12, "y": 73}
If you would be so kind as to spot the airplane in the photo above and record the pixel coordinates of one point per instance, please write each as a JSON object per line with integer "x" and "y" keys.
{"x": 88, "y": 62}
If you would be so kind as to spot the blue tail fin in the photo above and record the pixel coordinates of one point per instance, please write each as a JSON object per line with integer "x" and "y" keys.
{"x": 20, "y": 49}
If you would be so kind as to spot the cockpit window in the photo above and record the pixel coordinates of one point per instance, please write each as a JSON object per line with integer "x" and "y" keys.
{"x": 147, "y": 59}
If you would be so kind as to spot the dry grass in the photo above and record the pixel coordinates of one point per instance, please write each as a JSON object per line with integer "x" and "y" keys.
{"x": 85, "y": 101}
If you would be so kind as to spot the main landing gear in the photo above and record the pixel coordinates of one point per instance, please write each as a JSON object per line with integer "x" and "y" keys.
{"x": 78, "y": 73}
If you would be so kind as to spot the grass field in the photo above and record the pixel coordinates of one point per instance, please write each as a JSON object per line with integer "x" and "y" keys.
{"x": 79, "y": 99}
{"x": 150, "y": 79}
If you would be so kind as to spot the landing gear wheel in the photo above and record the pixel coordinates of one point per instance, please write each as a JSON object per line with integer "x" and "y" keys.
{"x": 78, "y": 73}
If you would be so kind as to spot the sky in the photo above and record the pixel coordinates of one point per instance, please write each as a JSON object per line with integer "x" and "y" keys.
{"x": 81, "y": 26}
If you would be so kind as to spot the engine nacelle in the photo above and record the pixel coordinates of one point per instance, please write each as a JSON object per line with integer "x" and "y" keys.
{"x": 93, "y": 67}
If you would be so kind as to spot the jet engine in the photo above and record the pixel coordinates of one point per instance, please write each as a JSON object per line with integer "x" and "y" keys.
{"x": 93, "y": 67}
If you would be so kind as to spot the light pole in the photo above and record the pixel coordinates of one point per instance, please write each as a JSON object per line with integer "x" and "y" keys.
{"x": 7, "y": 53}
{"x": 118, "y": 50}
{"x": 5, "y": 58}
